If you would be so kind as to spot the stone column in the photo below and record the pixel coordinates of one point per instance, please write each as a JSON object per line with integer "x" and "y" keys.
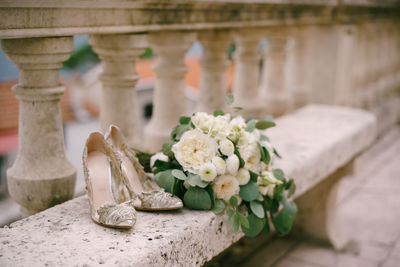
{"x": 118, "y": 105}
{"x": 298, "y": 66}
{"x": 247, "y": 68}
{"x": 169, "y": 98}
{"x": 317, "y": 219}
{"x": 41, "y": 175}
{"x": 273, "y": 88}
{"x": 213, "y": 82}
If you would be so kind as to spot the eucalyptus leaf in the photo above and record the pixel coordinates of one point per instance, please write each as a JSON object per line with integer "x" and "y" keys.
{"x": 235, "y": 222}
{"x": 243, "y": 220}
{"x": 256, "y": 225}
{"x": 179, "y": 174}
{"x": 253, "y": 176}
{"x": 229, "y": 98}
{"x": 184, "y": 120}
{"x": 260, "y": 198}
{"x": 211, "y": 193}
{"x": 292, "y": 189}
{"x": 251, "y": 125}
{"x": 237, "y": 108}
{"x": 230, "y": 213}
{"x": 277, "y": 154}
{"x": 179, "y": 130}
{"x": 257, "y": 209}
{"x": 218, "y": 113}
{"x": 249, "y": 191}
{"x": 283, "y": 222}
{"x": 166, "y": 180}
{"x": 197, "y": 198}
{"x": 219, "y": 206}
{"x": 233, "y": 201}
{"x": 262, "y": 125}
{"x": 166, "y": 149}
{"x": 268, "y": 118}
{"x": 195, "y": 180}
{"x": 264, "y": 138}
{"x": 278, "y": 173}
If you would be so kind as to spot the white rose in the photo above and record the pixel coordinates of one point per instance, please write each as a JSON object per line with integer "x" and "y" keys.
{"x": 232, "y": 164}
{"x": 202, "y": 121}
{"x": 208, "y": 172}
{"x": 194, "y": 150}
{"x": 227, "y": 148}
{"x": 243, "y": 176}
{"x": 219, "y": 164}
{"x": 225, "y": 187}
{"x": 158, "y": 156}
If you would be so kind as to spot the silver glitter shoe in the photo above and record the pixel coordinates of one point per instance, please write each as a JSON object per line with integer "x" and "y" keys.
{"x": 147, "y": 195}
{"x": 109, "y": 201}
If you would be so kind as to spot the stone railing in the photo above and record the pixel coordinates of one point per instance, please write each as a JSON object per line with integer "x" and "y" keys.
{"x": 337, "y": 52}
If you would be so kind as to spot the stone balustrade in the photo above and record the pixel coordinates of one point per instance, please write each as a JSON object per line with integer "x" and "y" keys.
{"x": 333, "y": 52}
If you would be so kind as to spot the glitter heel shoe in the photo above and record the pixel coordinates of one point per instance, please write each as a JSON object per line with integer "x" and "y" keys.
{"x": 102, "y": 176}
{"x": 147, "y": 195}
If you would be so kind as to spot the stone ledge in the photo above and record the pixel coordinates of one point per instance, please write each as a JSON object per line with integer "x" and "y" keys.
{"x": 314, "y": 141}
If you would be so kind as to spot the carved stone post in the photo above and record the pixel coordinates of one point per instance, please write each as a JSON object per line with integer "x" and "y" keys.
{"x": 298, "y": 65}
{"x": 119, "y": 78}
{"x": 273, "y": 88}
{"x": 41, "y": 175}
{"x": 317, "y": 219}
{"x": 247, "y": 68}
{"x": 213, "y": 82}
{"x": 168, "y": 99}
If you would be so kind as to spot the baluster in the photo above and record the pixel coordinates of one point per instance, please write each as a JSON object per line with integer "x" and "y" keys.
{"x": 168, "y": 99}
{"x": 213, "y": 82}
{"x": 119, "y": 78}
{"x": 41, "y": 175}
{"x": 247, "y": 60}
{"x": 272, "y": 88}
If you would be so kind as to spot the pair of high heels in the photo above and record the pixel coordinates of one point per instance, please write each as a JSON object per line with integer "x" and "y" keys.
{"x": 117, "y": 184}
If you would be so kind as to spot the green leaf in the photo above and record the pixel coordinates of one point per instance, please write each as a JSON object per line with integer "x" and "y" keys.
{"x": 195, "y": 180}
{"x": 166, "y": 180}
{"x": 237, "y": 108}
{"x": 243, "y": 220}
{"x": 230, "y": 213}
{"x": 274, "y": 206}
{"x": 268, "y": 118}
{"x": 260, "y": 198}
{"x": 266, "y": 230}
{"x": 184, "y": 120}
{"x": 249, "y": 118}
{"x": 265, "y": 157}
{"x": 197, "y": 199}
{"x": 179, "y": 130}
{"x": 283, "y": 222}
{"x": 251, "y": 124}
{"x": 235, "y": 222}
{"x": 256, "y": 225}
{"x": 218, "y": 113}
{"x": 257, "y": 209}
{"x": 264, "y": 138}
{"x": 219, "y": 206}
{"x": 249, "y": 191}
{"x": 292, "y": 189}
{"x": 241, "y": 161}
{"x": 233, "y": 201}
{"x": 262, "y": 125}
{"x": 278, "y": 173}
{"x": 166, "y": 149}
{"x": 277, "y": 154}
{"x": 229, "y": 98}
{"x": 211, "y": 193}
{"x": 179, "y": 174}
{"x": 253, "y": 176}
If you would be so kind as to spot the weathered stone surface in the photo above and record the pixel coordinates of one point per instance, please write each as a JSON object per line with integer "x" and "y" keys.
{"x": 314, "y": 142}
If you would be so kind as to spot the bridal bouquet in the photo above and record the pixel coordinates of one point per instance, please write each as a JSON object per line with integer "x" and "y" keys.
{"x": 222, "y": 162}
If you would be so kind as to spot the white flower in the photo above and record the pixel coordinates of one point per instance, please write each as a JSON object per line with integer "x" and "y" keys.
{"x": 227, "y": 148}
{"x": 267, "y": 177}
{"x": 208, "y": 172}
{"x": 220, "y": 127}
{"x": 243, "y": 176}
{"x": 225, "y": 187}
{"x": 158, "y": 156}
{"x": 267, "y": 190}
{"x": 237, "y": 127}
{"x": 232, "y": 164}
{"x": 219, "y": 164}
{"x": 202, "y": 121}
{"x": 194, "y": 150}
{"x": 251, "y": 156}
{"x": 239, "y": 199}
